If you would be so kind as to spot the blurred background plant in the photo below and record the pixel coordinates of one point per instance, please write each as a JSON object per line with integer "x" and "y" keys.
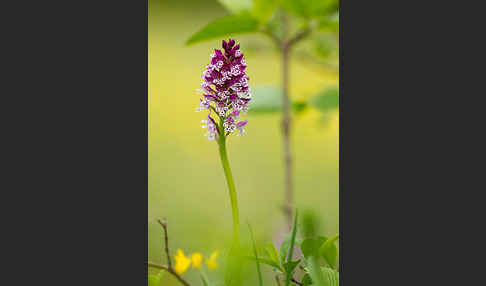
{"x": 187, "y": 187}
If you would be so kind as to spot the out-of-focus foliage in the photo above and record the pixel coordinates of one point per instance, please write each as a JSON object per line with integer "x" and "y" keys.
{"x": 290, "y": 265}
{"x": 264, "y": 9}
{"x": 155, "y": 279}
{"x": 239, "y": 23}
{"x": 329, "y": 23}
{"x": 310, "y": 8}
{"x": 310, "y": 223}
{"x": 331, "y": 276}
{"x": 257, "y": 261}
{"x": 324, "y": 45}
{"x": 236, "y": 6}
{"x": 326, "y": 100}
{"x": 313, "y": 250}
{"x": 266, "y": 99}
{"x": 328, "y": 251}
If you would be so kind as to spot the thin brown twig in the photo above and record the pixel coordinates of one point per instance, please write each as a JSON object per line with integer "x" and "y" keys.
{"x": 272, "y": 36}
{"x": 299, "y": 36}
{"x": 286, "y": 123}
{"x": 166, "y": 239}
{"x": 295, "y": 281}
{"x": 169, "y": 267}
{"x": 291, "y": 279}
{"x": 278, "y": 280}
{"x": 171, "y": 271}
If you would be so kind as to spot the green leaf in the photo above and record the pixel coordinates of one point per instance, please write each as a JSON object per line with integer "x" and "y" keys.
{"x": 310, "y": 222}
{"x": 263, "y": 10}
{"x": 306, "y": 280}
{"x": 325, "y": 45}
{"x": 291, "y": 250}
{"x": 236, "y": 6}
{"x": 226, "y": 26}
{"x": 299, "y": 107}
{"x": 315, "y": 271}
{"x": 331, "y": 276}
{"x": 153, "y": 280}
{"x": 310, "y": 8}
{"x": 290, "y": 266}
{"x": 329, "y": 23}
{"x": 266, "y": 261}
{"x": 328, "y": 250}
{"x": 310, "y": 246}
{"x": 326, "y": 100}
{"x": 272, "y": 253}
{"x": 284, "y": 249}
{"x": 266, "y": 99}
{"x": 256, "y": 257}
{"x": 204, "y": 280}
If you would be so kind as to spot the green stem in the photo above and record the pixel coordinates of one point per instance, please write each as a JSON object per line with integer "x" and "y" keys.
{"x": 231, "y": 185}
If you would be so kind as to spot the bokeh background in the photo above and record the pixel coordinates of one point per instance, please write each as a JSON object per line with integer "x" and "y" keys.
{"x": 186, "y": 180}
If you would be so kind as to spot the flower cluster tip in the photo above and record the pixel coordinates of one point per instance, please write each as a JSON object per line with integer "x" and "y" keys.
{"x": 225, "y": 91}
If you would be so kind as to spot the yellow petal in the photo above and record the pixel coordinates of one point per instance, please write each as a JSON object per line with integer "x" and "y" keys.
{"x": 182, "y": 263}
{"x": 196, "y": 260}
{"x": 211, "y": 262}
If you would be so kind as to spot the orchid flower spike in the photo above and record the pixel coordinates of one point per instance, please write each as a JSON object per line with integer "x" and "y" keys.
{"x": 225, "y": 91}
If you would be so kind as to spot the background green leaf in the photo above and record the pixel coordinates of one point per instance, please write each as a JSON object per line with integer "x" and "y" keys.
{"x": 299, "y": 107}
{"x": 310, "y": 8}
{"x": 310, "y": 222}
{"x": 326, "y": 100}
{"x": 289, "y": 267}
{"x": 310, "y": 246}
{"x": 226, "y": 26}
{"x": 328, "y": 251}
{"x": 306, "y": 280}
{"x": 325, "y": 45}
{"x": 260, "y": 280}
{"x": 266, "y": 99}
{"x": 315, "y": 271}
{"x": 267, "y": 261}
{"x": 264, "y": 9}
{"x": 204, "y": 280}
{"x": 154, "y": 280}
{"x": 272, "y": 253}
{"x": 331, "y": 276}
{"x": 236, "y": 6}
{"x": 329, "y": 23}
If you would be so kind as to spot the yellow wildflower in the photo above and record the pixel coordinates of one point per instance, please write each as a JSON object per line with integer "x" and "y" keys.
{"x": 181, "y": 262}
{"x": 211, "y": 262}
{"x": 196, "y": 260}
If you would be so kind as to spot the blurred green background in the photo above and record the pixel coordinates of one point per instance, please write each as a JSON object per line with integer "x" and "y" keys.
{"x": 186, "y": 180}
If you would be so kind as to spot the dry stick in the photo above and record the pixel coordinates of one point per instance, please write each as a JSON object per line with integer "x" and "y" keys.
{"x": 166, "y": 238}
{"x": 168, "y": 268}
{"x": 278, "y": 280}
{"x": 295, "y": 281}
{"x": 286, "y": 122}
{"x": 171, "y": 271}
{"x": 285, "y": 47}
{"x": 292, "y": 279}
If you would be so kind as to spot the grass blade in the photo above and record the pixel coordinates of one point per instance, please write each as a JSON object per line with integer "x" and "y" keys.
{"x": 260, "y": 280}
{"x": 291, "y": 250}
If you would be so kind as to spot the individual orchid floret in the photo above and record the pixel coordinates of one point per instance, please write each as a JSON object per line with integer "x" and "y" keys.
{"x": 225, "y": 91}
